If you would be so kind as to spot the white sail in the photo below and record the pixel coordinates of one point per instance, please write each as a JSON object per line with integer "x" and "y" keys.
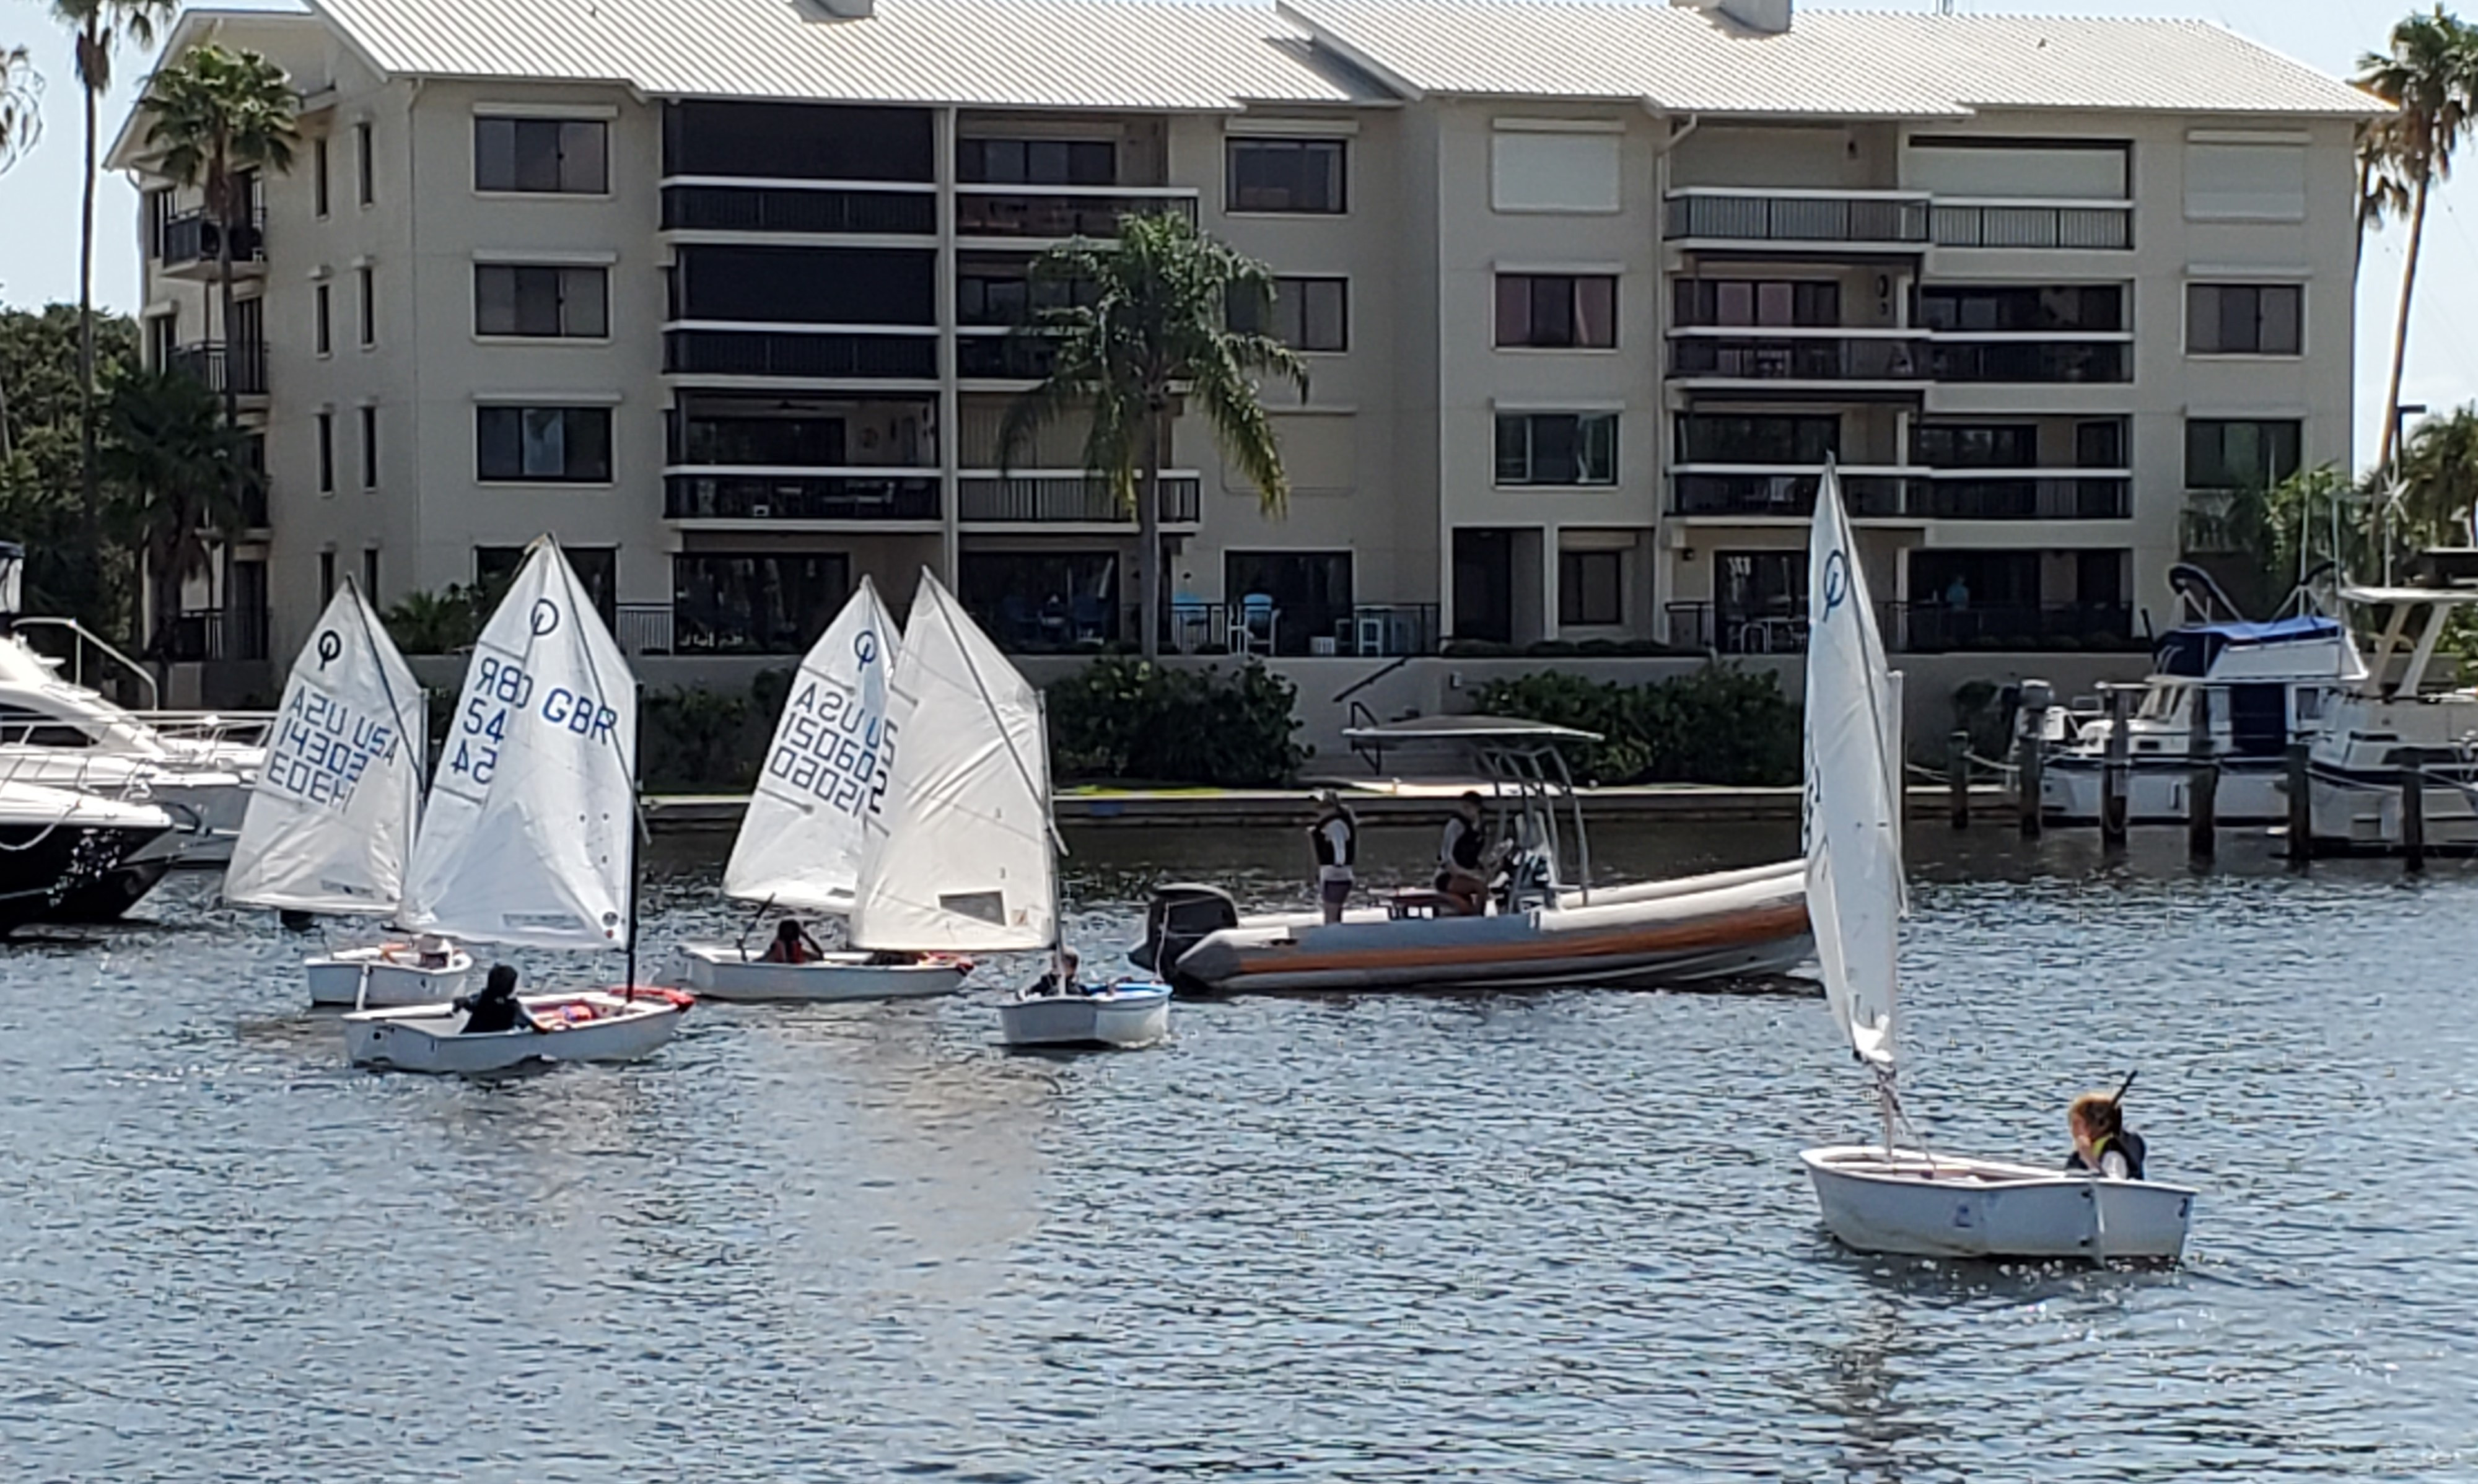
{"x": 959, "y": 859}
{"x": 330, "y": 819}
{"x": 825, "y": 771}
{"x": 1853, "y": 853}
{"x": 528, "y": 839}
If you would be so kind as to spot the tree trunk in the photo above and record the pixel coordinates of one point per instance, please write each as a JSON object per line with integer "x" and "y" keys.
{"x": 1147, "y": 573}
{"x": 89, "y": 555}
{"x": 224, "y": 215}
{"x": 2400, "y": 333}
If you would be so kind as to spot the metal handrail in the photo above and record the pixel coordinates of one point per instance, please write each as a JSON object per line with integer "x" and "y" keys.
{"x": 77, "y": 654}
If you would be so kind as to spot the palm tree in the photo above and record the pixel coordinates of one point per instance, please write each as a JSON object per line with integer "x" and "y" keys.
{"x": 178, "y": 470}
{"x": 1146, "y": 334}
{"x": 2428, "y": 76}
{"x": 2438, "y": 479}
{"x": 2381, "y": 193}
{"x": 22, "y": 104}
{"x": 100, "y": 27}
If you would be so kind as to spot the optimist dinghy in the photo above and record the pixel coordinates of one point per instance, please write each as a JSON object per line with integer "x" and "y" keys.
{"x": 963, "y": 858}
{"x": 1885, "y": 1199}
{"x": 336, "y": 805}
{"x": 531, "y": 837}
{"x": 800, "y": 844}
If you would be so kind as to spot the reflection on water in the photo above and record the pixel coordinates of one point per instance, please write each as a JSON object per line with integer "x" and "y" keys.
{"x": 1376, "y": 1238}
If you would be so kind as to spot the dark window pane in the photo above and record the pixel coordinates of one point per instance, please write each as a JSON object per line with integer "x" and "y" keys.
{"x": 1590, "y": 588}
{"x": 1596, "y": 312}
{"x": 584, "y": 165}
{"x": 1514, "y": 450}
{"x": 1513, "y": 309}
{"x": 1285, "y": 175}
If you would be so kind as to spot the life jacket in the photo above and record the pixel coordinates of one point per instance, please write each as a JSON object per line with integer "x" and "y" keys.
{"x": 2126, "y": 1143}
{"x": 1324, "y": 851}
{"x": 1463, "y": 843}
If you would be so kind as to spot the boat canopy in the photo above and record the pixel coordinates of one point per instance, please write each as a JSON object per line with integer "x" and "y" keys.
{"x": 2192, "y": 651}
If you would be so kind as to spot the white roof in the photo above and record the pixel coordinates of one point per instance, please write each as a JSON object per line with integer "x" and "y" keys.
{"x": 1031, "y": 54}
{"x": 1837, "y": 64}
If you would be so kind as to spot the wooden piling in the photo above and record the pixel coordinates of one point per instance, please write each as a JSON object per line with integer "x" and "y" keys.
{"x": 2203, "y": 783}
{"x": 1956, "y": 777}
{"x": 2029, "y": 749}
{"x": 2413, "y": 786}
{"x": 2117, "y": 775}
{"x": 2301, "y": 807}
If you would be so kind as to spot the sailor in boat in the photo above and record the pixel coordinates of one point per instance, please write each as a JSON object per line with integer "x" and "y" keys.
{"x": 431, "y": 951}
{"x": 793, "y": 944}
{"x": 1335, "y": 838}
{"x": 2103, "y": 1145}
{"x": 1461, "y": 873}
{"x": 1061, "y": 980}
{"x": 494, "y": 1010}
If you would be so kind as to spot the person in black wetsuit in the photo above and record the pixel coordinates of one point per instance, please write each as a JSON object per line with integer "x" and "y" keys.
{"x": 1462, "y": 873}
{"x": 494, "y": 1010}
{"x": 1059, "y": 982}
{"x": 2103, "y": 1145}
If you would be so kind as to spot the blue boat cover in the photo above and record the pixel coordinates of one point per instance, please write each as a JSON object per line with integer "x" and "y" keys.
{"x": 2191, "y": 651}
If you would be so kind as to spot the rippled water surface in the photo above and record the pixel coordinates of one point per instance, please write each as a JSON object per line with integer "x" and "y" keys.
{"x": 1560, "y": 1235}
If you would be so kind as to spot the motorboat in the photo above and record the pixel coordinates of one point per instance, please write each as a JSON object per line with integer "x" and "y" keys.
{"x": 530, "y": 835}
{"x": 826, "y": 771}
{"x": 962, "y": 858}
{"x": 1891, "y": 1197}
{"x": 2400, "y": 717}
{"x": 337, "y": 806}
{"x": 54, "y": 842}
{"x": 1545, "y": 925}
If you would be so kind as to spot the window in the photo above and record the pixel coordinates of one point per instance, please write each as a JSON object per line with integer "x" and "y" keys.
{"x": 365, "y": 165}
{"x": 1289, "y": 599}
{"x": 2245, "y": 320}
{"x": 2245, "y": 181}
{"x": 1307, "y": 313}
{"x": 494, "y": 567}
{"x": 554, "y": 302}
{"x": 1557, "y": 448}
{"x": 2227, "y": 454}
{"x": 1037, "y": 162}
{"x": 370, "y": 307}
{"x": 1733, "y": 302}
{"x": 2002, "y": 446}
{"x": 1557, "y": 311}
{"x": 1561, "y": 170}
{"x": 550, "y": 445}
{"x": 370, "y": 447}
{"x": 318, "y": 176}
{"x": 1591, "y": 590}
{"x": 1734, "y": 438}
{"x": 322, "y": 319}
{"x": 370, "y": 575}
{"x": 159, "y": 220}
{"x": 756, "y": 603}
{"x": 551, "y": 156}
{"x": 327, "y": 453}
{"x": 1951, "y": 307}
{"x": 1286, "y": 175}
{"x": 326, "y": 577}
{"x": 2020, "y": 169}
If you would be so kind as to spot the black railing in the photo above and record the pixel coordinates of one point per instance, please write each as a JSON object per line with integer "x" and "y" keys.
{"x": 196, "y": 237}
{"x": 1003, "y": 356}
{"x": 213, "y": 362}
{"x": 1781, "y": 629}
{"x": 1789, "y": 494}
{"x": 772, "y": 352}
{"x": 1010, "y": 214}
{"x": 1780, "y": 218}
{"x": 891, "y": 496}
{"x": 2032, "y": 361}
{"x": 201, "y": 634}
{"x": 2095, "y": 228}
{"x": 2022, "y": 497}
{"x": 773, "y": 209}
{"x": 1754, "y": 358}
{"x": 1934, "y": 627}
{"x": 1035, "y": 499}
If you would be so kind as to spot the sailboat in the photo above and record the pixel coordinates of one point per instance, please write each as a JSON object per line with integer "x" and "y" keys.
{"x": 530, "y": 839}
{"x": 337, "y": 800}
{"x": 962, "y": 858}
{"x": 1884, "y": 1198}
{"x": 799, "y": 847}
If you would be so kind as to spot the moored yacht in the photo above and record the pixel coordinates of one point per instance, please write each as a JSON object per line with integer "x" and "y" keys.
{"x": 54, "y": 842}
{"x": 2399, "y": 715}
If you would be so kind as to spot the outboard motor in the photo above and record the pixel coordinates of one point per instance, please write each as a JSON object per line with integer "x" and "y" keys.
{"x": 1177, "y": 918}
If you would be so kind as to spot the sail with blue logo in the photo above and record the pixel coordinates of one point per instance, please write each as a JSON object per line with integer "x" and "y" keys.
{"x": 825, "y": 772}
{"x": 1854, "y": 851}
{"x": 529, "y": 837}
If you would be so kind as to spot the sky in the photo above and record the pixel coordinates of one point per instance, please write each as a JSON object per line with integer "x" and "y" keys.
{"x": 38, "y": 197}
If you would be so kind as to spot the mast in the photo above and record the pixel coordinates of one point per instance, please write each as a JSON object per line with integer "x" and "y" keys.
{"x": 1050, "y": 822}
{"x": 636, "y": 832}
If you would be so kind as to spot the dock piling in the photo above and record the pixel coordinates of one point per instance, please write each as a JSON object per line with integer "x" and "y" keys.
{"x": 2028, "y": 746}
{"x": 1957, "y": 775}
{"x": 2203, "y": 784}
{"x": 2118, "y": 773}
{"x": 2412, "y": 781}
{"x": 2301, "y": 807}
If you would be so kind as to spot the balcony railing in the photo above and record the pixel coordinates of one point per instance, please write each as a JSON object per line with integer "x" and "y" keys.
{"x": 1786, "y": 493}
{"x": 2023, "y": 496}
{"x": 644, "y": 628}
{"x": 194, "y": 239}
{"x": 217, "y": 633}
{"x": 1002, "y": 357}
{"x": 846, "y": 495}
{"x": 2056, "y": 226}
{"x": 214, "y": 364}
{"x": 1047, "y": 498}
{"x": 1801, "y": 358}
{"x": 1797, "y": 217}
{"x": 782, "y": 209}
{"x": 1933, "y": 627}
{"x": 2032, "y": 361}
{"x": 785, "y": 353}
{"x": 1032, "y": 211}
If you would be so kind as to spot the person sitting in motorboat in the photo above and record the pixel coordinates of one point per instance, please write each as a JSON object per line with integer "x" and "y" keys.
{"x": 793, "y": 944}
{"x": 1335, "y": 839}
{"x": 1060, "y": 980}
{"x": 495, "y": 1010}
{"x": 2103, "y": 1145}
{"x": 1461, "y": 873}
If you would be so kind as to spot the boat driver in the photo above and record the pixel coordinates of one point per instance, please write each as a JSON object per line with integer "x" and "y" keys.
{"x": 1461, "y": 874}
{"x": 495, "y": 1010}
{"x": 2103, "y": 1145}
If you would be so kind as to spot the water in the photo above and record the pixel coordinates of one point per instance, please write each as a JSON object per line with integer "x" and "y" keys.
{"x": 1517, "y": 1238}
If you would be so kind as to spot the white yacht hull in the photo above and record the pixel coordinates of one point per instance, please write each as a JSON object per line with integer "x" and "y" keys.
{"x": 427, "y": 1039}
{"x": 391, "y": 972}
{"x": 1124, "y": 1016}
{"x": 2250, "y": 791}
{"x": 1923, "y": 1205}
{"x": 725, "y": 972}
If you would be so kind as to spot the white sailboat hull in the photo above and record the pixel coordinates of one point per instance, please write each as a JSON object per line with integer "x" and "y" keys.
{"x": 1918, "y": 1204}
{"x": 727, "y": 972}
{"x": 427, "y": 1039}
{"x": 394, "y": 974}
{"x": 1133, "y": 1015}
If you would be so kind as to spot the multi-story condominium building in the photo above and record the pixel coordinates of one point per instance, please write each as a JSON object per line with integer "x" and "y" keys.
{"x": 718, "y": 290}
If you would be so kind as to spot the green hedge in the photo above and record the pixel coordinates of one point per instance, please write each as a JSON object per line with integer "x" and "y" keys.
{"x": 1719, "y": 725}
{"x": 1124, "y": 719}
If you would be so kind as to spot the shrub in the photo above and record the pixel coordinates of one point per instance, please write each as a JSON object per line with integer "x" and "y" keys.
{"x": 1124, "y": 718}
{"x": 1718, "y": 725}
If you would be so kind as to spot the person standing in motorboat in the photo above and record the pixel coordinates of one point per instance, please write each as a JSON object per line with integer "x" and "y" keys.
{"x": 2103, "y": 1145}
{"x": 1335, "y": 838}
{"x": 494, "y": 1010}
{"x": 1461, "y": 874}
{"x": 793, "y": 944}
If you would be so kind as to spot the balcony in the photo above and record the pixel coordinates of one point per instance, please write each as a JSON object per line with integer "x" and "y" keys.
{"x": 1038, "y": 214}
{"x": 800, "y": 494}
{"x": 1054, "y": 497}
{"x": 820, "y": 355}
{"x": 799, "y": 209}
{"x": 2013, "y": 360}
{"x": 2024, "y": 494}
{"x": 201, "y": 634}
{"x": 1935, "y": 627}
{"x": 1770, "y": 492}
{"x": 1825, "y": 356}
{"x": 1799, "y": 220}
{"x": 1002, "y": 357}
{"x": 191, "y": 245}
{"x": 239, "y": 369}
{"x": 2056, "y": 226}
